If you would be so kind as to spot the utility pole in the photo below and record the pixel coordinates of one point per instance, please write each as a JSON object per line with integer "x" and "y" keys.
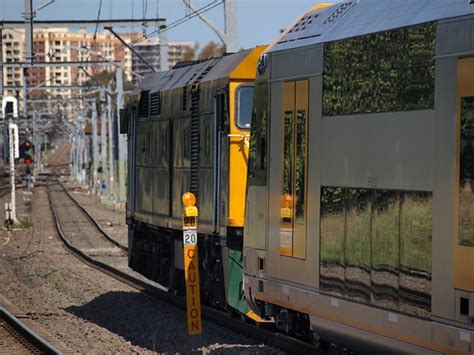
{"x": 122, "y": 138}
{"x": 71, "y": 154}
{"x": 73, "y": 157}
{"x": 229, "y": 36}
{"x": 230, "y": 19}
{"x": 35, "y": 145}
{"x": 103, "y": 140}
{"x": 28, "y": 16}
{"x": 163, "y": 49}
{"x": 84, "y": 155}
{"x": 1, "y": 61}
{"x": 95, "y": 153}
{"x": 111, "y": 143}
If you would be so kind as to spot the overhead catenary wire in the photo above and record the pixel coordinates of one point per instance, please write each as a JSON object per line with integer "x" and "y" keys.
{"x": 177, "y": 22}
{"x": 98, "y": 19}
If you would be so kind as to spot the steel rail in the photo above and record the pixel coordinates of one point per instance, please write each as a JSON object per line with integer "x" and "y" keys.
{"x": 93, "y": 220}
{"x": 213, "y": 315}
{"x": 27, "y": 333}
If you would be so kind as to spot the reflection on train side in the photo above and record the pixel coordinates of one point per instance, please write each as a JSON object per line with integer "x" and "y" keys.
{"x": 286, "y": 227}
{"x": 466, "y": 176}
{"x": 376, "y": 247}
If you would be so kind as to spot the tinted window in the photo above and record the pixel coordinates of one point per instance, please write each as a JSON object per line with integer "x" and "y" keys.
{"x": 381, "y": 72}
{"x": 244, "y": 106}
{"x": 376, "y": 247}
{"x": 466, "y": 176}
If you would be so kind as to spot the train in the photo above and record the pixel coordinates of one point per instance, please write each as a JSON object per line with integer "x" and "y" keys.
{"x": 188, "y": 131}
{"x": 342, "y": 211}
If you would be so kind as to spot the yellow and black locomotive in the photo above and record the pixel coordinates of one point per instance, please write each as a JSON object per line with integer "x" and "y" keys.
{"x": 188, "y": 131}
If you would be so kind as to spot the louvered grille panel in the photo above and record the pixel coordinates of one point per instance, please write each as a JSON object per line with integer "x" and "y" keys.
{"x": 143, "y": 104}
{"x": 155, "y": 104}
{"x": 195, "y": 128}
{"x": 195, "y": 141}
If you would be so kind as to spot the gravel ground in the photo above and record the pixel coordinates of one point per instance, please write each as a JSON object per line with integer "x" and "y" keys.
{"x": 87, "y": 310}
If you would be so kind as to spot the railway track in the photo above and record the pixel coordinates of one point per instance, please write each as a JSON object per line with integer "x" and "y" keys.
{"x": 93, "y": 220}
{"x": 107, "y": 263}
{"x": 17, "y": 338}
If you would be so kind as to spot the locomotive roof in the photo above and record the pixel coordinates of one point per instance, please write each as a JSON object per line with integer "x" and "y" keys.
{"x": 359, "y": 17}
{"x": 221, "y": 67}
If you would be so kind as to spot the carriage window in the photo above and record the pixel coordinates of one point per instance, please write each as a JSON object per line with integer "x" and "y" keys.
{"x": 244, "y": 106}
{"x": 381, "y": 72}
{"x": 376, "y": 247}
{"x": 466, "y": 175}
{"x": 258, "y": 137}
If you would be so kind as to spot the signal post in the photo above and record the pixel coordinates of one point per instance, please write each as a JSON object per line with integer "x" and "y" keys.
{"x": 10, "y": 110}
{"x": 191, "y": 266}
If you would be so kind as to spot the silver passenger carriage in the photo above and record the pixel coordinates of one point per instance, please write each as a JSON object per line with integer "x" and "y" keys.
{"x": 360, "y": 204}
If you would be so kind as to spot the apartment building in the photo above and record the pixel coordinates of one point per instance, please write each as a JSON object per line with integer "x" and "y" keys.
{"x": 149, "y": 50}
{"x": 64, "y": 44}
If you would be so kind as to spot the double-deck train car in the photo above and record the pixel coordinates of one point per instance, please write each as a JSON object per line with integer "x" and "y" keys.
{"x": 360, "y": 199}
{"x": 189, "y": 131}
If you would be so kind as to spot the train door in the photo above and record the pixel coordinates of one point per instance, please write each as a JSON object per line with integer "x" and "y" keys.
{"x": 294, "y": 169}
{"x": 464, "y": 226}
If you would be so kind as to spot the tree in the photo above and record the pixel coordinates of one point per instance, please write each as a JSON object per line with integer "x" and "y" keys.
{"x": 189, "y": 53}
{"x": 211, "y": 50}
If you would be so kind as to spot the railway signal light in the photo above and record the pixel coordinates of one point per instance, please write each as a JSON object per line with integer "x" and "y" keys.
{"x": 25, "y": 153}
{"x": 28, "y": 160}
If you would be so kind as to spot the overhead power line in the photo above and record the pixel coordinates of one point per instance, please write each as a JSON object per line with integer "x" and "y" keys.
{"x": 98, "y": 19}
{"x": 178, "y": 22}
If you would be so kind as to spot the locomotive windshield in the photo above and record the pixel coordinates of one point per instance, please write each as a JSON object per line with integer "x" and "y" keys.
{"x": 244, "y": 106}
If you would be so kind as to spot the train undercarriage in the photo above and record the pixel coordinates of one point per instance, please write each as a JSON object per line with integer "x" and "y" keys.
{"x": 157, "y": 254}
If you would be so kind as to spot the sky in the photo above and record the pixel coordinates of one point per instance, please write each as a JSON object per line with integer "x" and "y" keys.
{"x": 258, "y": 21}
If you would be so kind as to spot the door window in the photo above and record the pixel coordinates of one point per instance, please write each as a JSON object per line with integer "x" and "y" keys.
{"x": 293, "y": 194}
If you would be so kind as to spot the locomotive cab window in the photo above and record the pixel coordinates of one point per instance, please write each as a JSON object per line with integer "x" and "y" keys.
{"x": 244, "y": 106}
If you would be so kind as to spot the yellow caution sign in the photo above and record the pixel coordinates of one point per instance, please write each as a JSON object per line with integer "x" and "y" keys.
{"x": 191, "y": 264}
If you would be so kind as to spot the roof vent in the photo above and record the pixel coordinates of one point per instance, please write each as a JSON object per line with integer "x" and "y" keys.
{"x": 339, "y": 11}
{"x": 470, "y": 1}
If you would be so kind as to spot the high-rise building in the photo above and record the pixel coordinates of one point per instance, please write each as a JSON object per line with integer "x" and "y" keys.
{"x": 149, "y": 50}
{"x": 62, "y": 44}
{"x": 13, "y": 51}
